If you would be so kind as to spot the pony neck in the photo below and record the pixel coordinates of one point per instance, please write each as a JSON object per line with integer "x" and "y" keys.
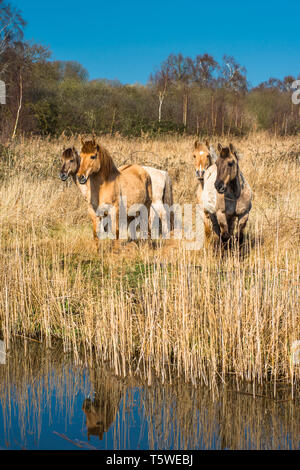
{"x": 77, "y": 161}
{"x": 108, "y": 170}
{"x": 74, "y": 175}
{"x": 236, "y": 185}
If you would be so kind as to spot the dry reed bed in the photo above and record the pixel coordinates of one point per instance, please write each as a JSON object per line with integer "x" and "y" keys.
{"x": 202, "y": 316}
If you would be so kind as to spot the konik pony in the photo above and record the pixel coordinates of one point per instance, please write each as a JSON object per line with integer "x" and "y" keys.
{"x": 204, "y": 157}
{"x": 162, "y": 192}
{"x": 70, "y": 166}
{"x": 107, "y": 185}
{"x": 233, "y": 194}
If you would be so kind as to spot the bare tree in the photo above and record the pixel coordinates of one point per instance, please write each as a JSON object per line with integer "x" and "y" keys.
{"x": 233, "y": 74}
{"x": 161, "y": 80}
{"x": 181, "y": 72}
{"x": 204, "y": 67}
{"x": 11, "y": 29}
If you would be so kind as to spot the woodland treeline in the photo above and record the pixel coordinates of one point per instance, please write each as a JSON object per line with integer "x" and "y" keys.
{"x": 194, "y": 95}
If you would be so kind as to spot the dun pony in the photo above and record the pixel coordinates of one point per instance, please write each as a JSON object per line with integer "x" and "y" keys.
{"x": 162, "y": 191}
{"x": 70, "y": 166}
{"x": 107, "y": 184}
{"x": 233, "y": 194}
{"x": 204, "y": 157}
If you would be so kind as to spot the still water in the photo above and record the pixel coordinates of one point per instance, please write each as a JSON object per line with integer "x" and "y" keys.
{"x": 48, "y": 402}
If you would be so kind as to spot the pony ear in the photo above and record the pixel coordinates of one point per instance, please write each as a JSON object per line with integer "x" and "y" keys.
{"x": 213, "y": 154}
{"x": 232, "y": 148}
{"x": 98, "y": 148}
{"x": 81, "y": 139}
{"x": 207, "y": 143}
{"x": 235, "y": 152}
{"x": 219, "y": 147}
{"x": 196, "y": 144}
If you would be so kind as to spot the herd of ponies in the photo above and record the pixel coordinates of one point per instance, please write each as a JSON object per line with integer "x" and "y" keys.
{"x": 223, "y": 192}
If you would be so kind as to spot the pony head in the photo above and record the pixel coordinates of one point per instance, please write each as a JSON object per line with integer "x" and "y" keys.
{"x": 94, "y": 159}
{"x": 90, "y": 160}
{"x": 204, "y": 156}
{"x": 70, "y": 163}
{"x": 227, "y": 167}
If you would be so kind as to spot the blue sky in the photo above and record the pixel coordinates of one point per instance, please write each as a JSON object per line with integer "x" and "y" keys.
{"x": 128, "y": 40}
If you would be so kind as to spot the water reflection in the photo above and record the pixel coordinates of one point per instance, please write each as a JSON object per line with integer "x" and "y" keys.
{"x": 101, "y": 410}
{"x": 48, "y": 402}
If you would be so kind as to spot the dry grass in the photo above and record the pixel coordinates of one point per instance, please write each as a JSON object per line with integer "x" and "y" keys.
{"x": 202, "y": 316}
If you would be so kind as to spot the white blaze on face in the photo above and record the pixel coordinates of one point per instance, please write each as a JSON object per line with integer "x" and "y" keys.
{"x": 200, "y": 167}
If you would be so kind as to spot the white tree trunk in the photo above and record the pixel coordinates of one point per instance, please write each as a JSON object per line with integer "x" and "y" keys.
{"x": 19, "y": 108}
{"x": 161, "y": 97}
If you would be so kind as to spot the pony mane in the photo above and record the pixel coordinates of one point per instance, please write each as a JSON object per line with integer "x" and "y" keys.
{"x": 201, "y": 146}
{"x": 108, "y": 168}
{"x": 89, "y": 147}
{"x": 67, "y": 153}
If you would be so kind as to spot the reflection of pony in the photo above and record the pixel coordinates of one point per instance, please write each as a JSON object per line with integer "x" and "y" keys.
{"x": 101, "y": 411}
{"x": 108, "y": 184}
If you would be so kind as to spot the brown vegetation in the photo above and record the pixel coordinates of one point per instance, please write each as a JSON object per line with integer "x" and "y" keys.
{"x": 155, "y": 311}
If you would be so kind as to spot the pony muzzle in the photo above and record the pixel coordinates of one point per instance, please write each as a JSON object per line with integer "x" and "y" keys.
{"x": 82, "y": 179}
{"x": 220, "y": 187}
{"x": 200, "y": 175}
{"x": 63, "y": 176}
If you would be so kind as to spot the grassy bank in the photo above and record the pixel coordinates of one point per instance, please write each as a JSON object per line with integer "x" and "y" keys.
{"x": 203, "y": 316}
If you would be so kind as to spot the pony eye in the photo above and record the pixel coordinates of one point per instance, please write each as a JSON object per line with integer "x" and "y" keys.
{"x": 230, "y": 163}
{"x": 93, "y": 157}
{"x": 72, "y": 160}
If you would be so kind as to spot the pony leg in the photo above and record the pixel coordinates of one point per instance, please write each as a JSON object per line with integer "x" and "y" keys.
{"x": 230, "y": 224}
{"x": 207, "y": 224}
{"x": 215, "y": 224}
{"x": 241, "y": 226}
{"x": 151, "y": 219}
{"x": 160, "y": 225}
{"x": 222, "y": 220}
{"x": 199, "y": 194}
{"x": 94, "y": 222}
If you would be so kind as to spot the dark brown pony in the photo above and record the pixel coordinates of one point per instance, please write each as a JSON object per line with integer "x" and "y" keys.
{"x": 233, "y": 193}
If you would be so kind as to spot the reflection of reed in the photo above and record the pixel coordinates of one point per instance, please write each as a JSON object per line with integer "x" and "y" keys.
{"x": 28, "y": 381}
{"x": 182, "y": 417}
{"x": 176, "y": 416}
